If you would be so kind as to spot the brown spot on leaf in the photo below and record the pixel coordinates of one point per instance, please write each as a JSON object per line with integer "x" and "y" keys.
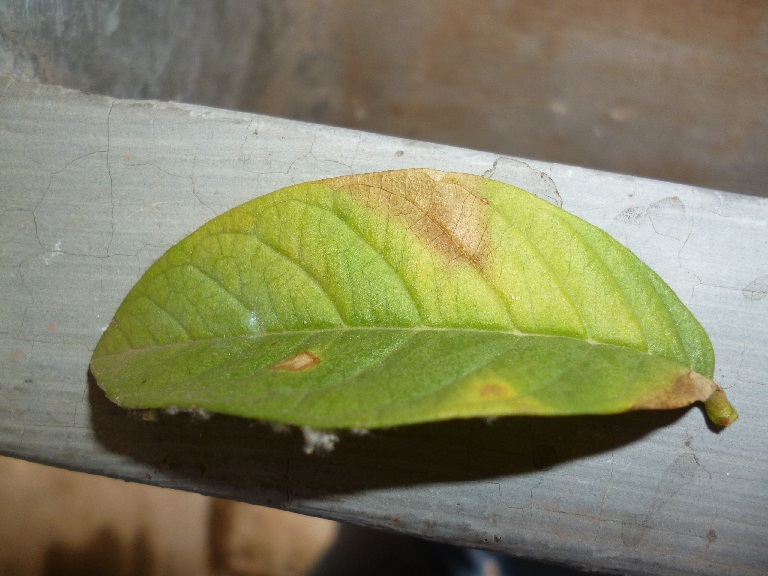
{"x": 494, "y": 390}
{"x": 442, "y": 209}
{"x": 297, "y": 363}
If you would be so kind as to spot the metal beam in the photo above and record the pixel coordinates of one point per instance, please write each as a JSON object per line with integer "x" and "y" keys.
{"x": 94, "y": 189}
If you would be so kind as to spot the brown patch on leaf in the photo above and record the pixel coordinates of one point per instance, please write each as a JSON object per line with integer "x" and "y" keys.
{"x": 687, "y": 388}
{"x": 297, "y": 363}
{"x": 442, "y": 209}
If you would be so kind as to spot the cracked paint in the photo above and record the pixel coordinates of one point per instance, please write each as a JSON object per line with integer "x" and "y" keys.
{"x": 111, "y": 180}
{"x": 757, "y": 289}
{"x": 519, "y": 173}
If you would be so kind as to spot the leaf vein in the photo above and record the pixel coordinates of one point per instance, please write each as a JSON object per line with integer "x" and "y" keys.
{"x": 409, "y": 290}
{"x": 547, "y": 265}
{"x": 608, "y": 274}
{"x": 308, "y": 274}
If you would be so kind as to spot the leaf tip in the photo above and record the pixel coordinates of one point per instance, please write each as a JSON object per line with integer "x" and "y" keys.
{"x": 719, "y": 409}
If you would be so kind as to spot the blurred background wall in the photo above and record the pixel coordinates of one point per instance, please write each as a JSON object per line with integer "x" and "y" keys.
{"x": 670, "y": 90}
{"x": 61, "y": 523}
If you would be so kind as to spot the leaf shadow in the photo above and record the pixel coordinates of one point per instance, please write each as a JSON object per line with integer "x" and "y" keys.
{"x": 251, "y": 461}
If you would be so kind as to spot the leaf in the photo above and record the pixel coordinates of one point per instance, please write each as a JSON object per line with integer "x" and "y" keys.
{"x": 401, "y": 297}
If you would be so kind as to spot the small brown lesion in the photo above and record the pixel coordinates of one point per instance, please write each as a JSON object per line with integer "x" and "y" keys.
{"x": 301, "y": 361}
{"x": 494, "y": 390}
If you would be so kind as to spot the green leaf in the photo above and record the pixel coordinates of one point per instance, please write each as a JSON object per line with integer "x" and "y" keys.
{"x": 400, "y": 297}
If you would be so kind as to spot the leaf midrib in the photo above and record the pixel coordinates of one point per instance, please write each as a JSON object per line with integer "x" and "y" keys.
{"x": 413, "y": 329}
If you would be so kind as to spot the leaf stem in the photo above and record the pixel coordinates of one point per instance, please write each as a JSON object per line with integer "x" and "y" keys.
{"x": 719, "y": 410}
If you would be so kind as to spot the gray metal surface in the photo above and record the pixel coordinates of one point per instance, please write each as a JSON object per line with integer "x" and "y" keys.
{"x": 93, "y": 189}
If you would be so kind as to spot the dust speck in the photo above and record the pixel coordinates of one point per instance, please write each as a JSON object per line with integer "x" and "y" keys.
{"x": 318, "y": 441}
